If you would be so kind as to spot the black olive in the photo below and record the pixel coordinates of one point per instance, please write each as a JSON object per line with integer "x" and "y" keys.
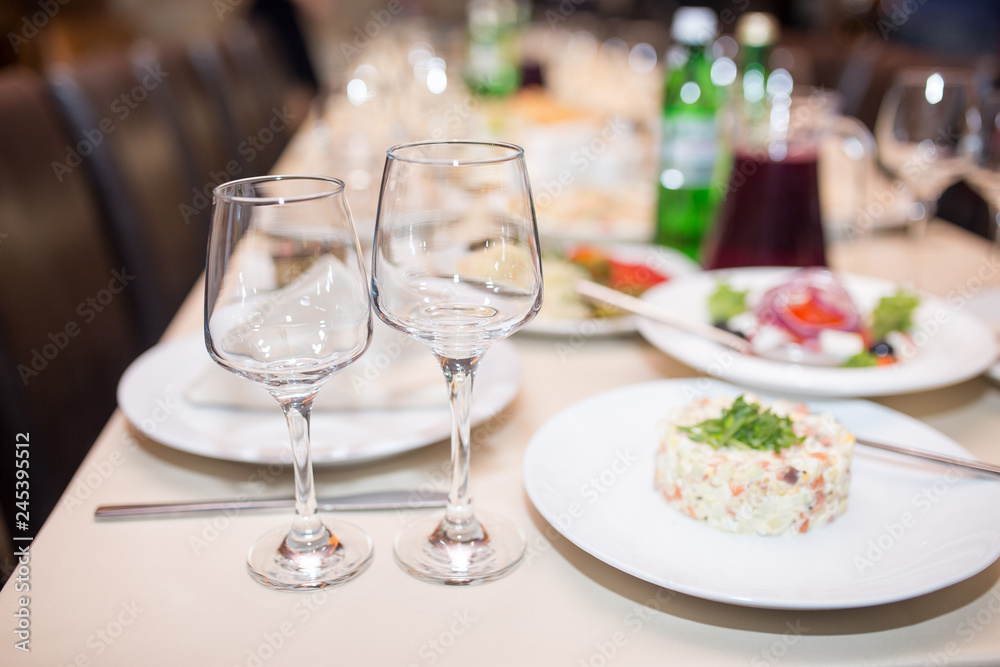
{"x": 881, "y": 349}
{"x": 725, "y": 327}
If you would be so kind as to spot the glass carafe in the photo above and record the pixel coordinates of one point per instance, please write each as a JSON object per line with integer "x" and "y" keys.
{"x": 771, "y": 213}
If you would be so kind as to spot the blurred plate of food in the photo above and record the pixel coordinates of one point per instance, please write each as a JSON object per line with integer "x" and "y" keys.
{"x": 629, "y": 268}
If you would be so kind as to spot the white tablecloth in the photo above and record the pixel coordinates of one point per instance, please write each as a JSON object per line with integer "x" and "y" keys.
{"x": 176, "y": 591}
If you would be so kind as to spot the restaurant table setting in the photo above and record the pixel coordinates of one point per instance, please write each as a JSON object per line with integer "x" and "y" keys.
{"x": 202, "y": 529}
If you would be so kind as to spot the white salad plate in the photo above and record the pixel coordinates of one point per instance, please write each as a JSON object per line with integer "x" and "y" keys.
{"x": 952, "y": 345}
{"x": 911, "y": 527}
{"x": 155, "y": 393}
{"x": 665, "y": 261}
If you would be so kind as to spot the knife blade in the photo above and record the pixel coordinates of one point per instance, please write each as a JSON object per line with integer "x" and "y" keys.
{"x": 970, "y": 464}
{"x": 378, "y": 500}
{"x": 596, "y": 292}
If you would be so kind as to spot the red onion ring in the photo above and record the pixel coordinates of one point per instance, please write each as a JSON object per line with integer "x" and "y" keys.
{"x": 819, "y": 286}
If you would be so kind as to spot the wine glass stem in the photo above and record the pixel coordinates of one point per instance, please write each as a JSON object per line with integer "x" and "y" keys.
{"x": 460, "y": 521}
{"x": 916, "y": 233}
{"x": 917, "y": 229}
{"x": 307, "y": 530}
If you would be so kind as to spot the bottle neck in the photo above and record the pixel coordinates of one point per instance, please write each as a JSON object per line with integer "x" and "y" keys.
{"x": 688, "y": 86}
{"x": 755, "y": 58}
{"x": 695, "y": 47}
{"x": 753, "y": 73}
{"x": 695, "y": 57}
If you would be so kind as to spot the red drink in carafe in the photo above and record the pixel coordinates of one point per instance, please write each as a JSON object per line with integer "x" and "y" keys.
{"x": 770, "y": 216}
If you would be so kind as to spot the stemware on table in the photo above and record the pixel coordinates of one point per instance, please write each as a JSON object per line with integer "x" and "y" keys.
{"x": 287, "y": 306}
{"x": 923, "y": 129}
{"x": 456, "y": 266}
{"x": 984, "y": 175}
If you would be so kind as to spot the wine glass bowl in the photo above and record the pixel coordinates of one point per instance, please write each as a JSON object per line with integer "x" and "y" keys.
{"x": 456, "y": 265}
{"x": 287, "y": 306}
{"x": 922, "y": 128}
{"x": 984, "y": 176}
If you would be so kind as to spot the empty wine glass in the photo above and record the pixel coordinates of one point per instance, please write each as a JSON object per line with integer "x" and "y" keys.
{"x": 921, "y": 129}
{"x": 456, "y": 266}
{"x": 984, "y": 176}
{"x": 287, "y": 305}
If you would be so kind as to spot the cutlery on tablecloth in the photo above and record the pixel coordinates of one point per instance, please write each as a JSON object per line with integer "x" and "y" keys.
{"x": 378, "y": 500}
{"x": 595, "y": 292}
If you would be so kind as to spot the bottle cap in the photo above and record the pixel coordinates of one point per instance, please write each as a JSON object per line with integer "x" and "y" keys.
{"x": 757, "y": 29}
{"x": 694, "y": 25}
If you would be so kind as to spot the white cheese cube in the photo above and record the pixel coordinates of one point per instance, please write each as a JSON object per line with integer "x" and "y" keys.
{"x": 841, "y": 345}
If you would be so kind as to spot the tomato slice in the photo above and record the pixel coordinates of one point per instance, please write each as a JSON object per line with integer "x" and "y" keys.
{"x": 623, "y": 276}
{"x": 811, "y": 302}
{"x": 813, "y": 312}
{"x": 633, "y": 277}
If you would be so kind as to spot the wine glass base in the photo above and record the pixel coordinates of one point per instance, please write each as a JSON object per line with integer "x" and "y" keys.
{"x": 428, "y": 557}
{"x": 270, "y": 567}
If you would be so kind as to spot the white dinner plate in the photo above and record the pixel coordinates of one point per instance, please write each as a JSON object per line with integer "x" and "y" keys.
{"x": 911, "y": 527}
{"x": 953, "y": 345}
{"x": 154, "y": 394}
{"x": 665, "y": 261}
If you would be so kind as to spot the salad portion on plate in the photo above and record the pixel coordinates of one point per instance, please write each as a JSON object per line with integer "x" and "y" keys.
{"x": 630, "y": 525}
{"x": 811, "y": 318}
{"x": 821, "y": 334}
{"x": 628, "y": 268}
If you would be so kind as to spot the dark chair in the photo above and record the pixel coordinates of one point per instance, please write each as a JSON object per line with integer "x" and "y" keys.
{"x": 67, "y": 303}
{"x": 142, "y": 173}
{"x": 282, "y": 19}
{"x": 196, "y": 119}
{"x": 256, "y": 91}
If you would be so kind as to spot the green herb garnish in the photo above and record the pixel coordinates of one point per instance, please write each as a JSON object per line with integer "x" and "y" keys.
{"x": 863, "y": 359}
{"x": 725, "y": 303}
{"x": 745, "y": 426}
{"x": 894, "y": 313}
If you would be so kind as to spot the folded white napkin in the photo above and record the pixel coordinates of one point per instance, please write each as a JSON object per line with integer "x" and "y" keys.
{"x": 395, "y": 373}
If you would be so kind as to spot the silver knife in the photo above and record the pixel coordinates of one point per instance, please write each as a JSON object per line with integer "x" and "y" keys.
{"x": 378, "y": 500}
{"x": 596, "y": 292}
{"x": 971, "y": 464}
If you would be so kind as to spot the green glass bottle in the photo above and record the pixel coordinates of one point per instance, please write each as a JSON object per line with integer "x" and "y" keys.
{"x": 688, "y": 192}
{"x": 756, "y": 33}
{"x": 492, "y": 67}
